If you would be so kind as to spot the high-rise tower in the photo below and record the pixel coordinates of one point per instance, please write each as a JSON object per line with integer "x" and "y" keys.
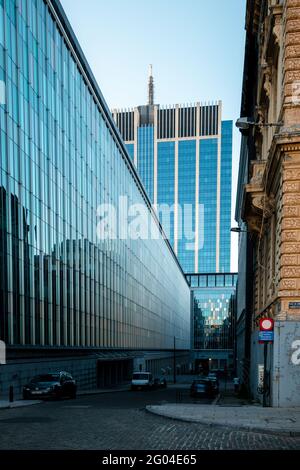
{"x": 183, "y": 154}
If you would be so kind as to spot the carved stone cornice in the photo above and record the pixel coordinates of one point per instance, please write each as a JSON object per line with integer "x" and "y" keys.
{"x": 263, "y": 204}
{"x": 257, "y": 173}
{"x": 258, "y": 206}
{"x": 276, "y": 11}
{"x": 270, "y": 43}
{"x": 267, "y": 80}
{"x": 285, "y": 143}
{"x": 277, "y": 33}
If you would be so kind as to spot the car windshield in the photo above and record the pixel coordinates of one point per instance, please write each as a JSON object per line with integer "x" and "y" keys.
{"x": 46, "y": 378}
{"x": 140, "y": 377}
{"x": 197, "y": 382}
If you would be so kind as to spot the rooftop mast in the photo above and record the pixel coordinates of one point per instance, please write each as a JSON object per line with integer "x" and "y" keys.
{"x": 150, "y": 87}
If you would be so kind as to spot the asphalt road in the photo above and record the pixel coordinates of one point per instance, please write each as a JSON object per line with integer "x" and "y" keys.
{"x": 119, "y": 421}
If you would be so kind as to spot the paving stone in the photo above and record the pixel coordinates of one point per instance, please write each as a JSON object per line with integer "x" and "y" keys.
{"x": 103, "y": 422}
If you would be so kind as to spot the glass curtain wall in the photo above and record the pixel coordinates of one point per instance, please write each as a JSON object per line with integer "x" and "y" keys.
{"x": 60, "y": 158}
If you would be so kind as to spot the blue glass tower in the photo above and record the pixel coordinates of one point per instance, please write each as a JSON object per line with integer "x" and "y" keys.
{"x": 184, "y": 155}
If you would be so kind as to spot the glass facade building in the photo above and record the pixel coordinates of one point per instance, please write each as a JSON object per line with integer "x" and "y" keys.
{"x": 145, "y": 157}
{"x": 189, "y": 169}
{"x": 165, "y": 183}
{"x": 213, "y": 309}
{"x": 62, "y": 156}
{"x": 184, "y": 157}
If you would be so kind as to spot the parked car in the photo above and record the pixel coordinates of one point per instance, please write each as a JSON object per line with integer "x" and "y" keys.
{"x": 212, "y": 376}
{"x": 51, "y": 385}
{"x": 160, "y": 382}
{"x": 215, "y": 384}
{"x": 202, "y": 387}
{"x": 142, "y": 381}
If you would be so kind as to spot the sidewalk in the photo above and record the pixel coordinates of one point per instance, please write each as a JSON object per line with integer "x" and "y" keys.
{"x": 4, "y": 404}
{"x": 253, "y": 418}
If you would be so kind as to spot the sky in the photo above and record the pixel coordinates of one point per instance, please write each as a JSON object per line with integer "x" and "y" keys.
{"x": 196, "y": 48}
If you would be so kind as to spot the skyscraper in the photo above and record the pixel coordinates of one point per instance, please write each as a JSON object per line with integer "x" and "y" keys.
{"x": 183, "y": 154}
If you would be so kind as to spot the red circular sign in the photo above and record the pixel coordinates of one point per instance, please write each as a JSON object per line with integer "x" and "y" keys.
{"x": 266, "y": 324}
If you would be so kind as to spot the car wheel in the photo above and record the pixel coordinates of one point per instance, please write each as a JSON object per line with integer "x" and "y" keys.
{"x": 73, "y": 395}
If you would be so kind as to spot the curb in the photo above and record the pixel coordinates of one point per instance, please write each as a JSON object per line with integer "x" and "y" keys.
{"x": 226, "y": 426}
{"x": 79, "y": 394}
{"x": 20, "y": 405}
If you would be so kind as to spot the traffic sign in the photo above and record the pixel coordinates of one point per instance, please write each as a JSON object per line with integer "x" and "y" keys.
{"x": 266, "y": 324}
{"x": 266, "y": 336}
{"x": 266, "y": 330}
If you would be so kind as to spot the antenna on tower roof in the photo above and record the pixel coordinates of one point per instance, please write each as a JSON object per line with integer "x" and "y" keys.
{"x": 150, "y": 87}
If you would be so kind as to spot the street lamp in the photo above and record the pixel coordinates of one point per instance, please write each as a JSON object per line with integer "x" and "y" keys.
{"x": 238, "y": 230}
{"x": 244, "y": 123}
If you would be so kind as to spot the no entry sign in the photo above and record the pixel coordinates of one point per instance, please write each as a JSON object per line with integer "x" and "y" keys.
{"x": 266, "y": 330}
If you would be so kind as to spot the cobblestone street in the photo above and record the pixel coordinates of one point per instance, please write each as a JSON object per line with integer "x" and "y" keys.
{"x": 119, "y": 421}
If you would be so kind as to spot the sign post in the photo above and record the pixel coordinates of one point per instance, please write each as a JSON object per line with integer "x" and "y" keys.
{"x": 265, "y": 374}
{"x": 266, "y": 335}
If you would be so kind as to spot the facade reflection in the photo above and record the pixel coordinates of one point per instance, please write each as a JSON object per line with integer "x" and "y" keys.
{"x": 213, "y": 311}
{"x": 61, "y": 156}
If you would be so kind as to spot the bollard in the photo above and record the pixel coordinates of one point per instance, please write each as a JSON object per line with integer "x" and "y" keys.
{"x": 11, "y": 393}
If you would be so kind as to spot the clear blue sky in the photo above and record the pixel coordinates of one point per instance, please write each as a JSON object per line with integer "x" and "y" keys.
{"x": 196, "y": 48}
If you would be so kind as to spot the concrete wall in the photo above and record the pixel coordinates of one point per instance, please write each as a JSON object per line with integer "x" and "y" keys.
{"x": 283, "y": 362}
{"x": 163, "y": 363}
{"x": 257, "y": 359}
{"x": 286, "y": 364}
{"x": 84, "y": 369}
{"x": 19, "y": 373}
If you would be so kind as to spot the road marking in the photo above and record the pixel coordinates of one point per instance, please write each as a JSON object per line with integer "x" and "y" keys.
{"x": 77, "y": 406}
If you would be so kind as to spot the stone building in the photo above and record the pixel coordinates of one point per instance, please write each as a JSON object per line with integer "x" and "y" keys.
{"x": 268, "y": 200}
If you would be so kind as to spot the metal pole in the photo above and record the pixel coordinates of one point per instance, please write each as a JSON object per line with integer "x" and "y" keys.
{"x": 174, "y": 361}
{"x": 265, "y": 373}
{"x": 11, "y": 393}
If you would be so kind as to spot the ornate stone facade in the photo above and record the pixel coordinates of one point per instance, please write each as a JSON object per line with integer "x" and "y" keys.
{"x": 268, "y": 202}
{"x": 271, "y": 204}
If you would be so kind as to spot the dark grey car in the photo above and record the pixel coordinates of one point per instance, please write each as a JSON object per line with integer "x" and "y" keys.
{"x": 51, "y": 385}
